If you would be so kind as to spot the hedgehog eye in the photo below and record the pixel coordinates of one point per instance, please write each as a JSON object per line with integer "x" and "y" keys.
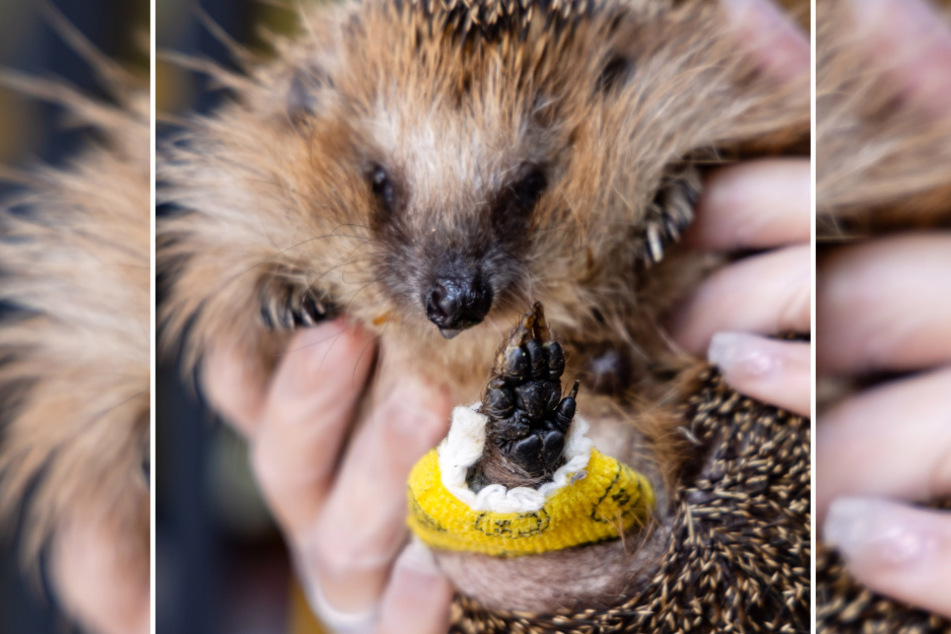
{"x": 526, "y": 192}
{"x": 382, "y": 186}
{"x": 615, "y": 71}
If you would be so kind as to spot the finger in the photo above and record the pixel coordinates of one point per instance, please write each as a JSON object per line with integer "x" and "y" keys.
{"x": 891, "y": 441}
{"x": 233, "y": 392}
{"x": 309, "y": 407}
{"x": 754, "y": 205}
{"x": 363, "y": 524}
{"x": 417, "y": 597}
{"x": 765, "y": 294}
{"x": 96, "y": 584}
{"x": 912, "y": 40}
{"x": 782, "y": 49}
{"x": 879, "y": 307}
{"x": 771, "y": 371}
{"x": 897, "y": 550}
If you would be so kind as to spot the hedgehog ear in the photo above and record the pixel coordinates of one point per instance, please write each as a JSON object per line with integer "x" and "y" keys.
{"x": 615, "y": 72}
{"x": 303, "y": 95}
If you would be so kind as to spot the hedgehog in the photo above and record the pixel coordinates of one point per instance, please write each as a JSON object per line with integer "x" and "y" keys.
{"x": 881, "y": 167}
{"x": 75, "y": 334}
{"x": 431, "y": 169}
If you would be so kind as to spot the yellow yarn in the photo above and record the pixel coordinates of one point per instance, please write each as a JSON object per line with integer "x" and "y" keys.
{"x": 608, "y": 500}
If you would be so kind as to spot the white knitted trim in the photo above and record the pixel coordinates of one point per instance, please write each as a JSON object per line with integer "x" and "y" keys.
{"x": 462, "y": 448}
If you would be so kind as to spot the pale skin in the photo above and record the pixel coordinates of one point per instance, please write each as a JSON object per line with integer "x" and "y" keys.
{"x": 889, "y": 445}
{"x": 880, "y": 308}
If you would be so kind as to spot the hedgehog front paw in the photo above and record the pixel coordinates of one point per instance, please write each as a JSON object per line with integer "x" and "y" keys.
{"x": 527, "y": 416}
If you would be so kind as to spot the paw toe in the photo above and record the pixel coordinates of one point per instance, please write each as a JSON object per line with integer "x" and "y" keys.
{"x": 553, "y": 443}
{"x": 528, "y": 453}
{"x": 536, "y": 398}
{"x": 556, "y": 360}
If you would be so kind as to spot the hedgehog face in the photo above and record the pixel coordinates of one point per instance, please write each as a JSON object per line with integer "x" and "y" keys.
{"x": 461, "y": 162}
{"x": 428, "y": 168}
{"x": 451, "y": 209}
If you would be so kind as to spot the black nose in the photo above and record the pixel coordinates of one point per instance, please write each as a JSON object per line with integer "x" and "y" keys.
{"x": 456, "y": 303}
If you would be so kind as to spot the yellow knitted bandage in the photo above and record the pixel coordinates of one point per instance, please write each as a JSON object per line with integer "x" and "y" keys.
{"x": 608, "y": 498}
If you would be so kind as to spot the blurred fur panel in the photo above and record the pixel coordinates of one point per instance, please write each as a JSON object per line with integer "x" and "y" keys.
{"x": 883, "y": 150}
{"x": 74, "y": 344}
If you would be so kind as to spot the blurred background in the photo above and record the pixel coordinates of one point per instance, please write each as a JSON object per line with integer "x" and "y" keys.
{"x": 221, "y": 564}
{"x": 33, "y": 132}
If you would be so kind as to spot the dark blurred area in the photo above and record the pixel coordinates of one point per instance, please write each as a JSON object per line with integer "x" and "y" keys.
{"x": 31, "y": 133}
{"x": 221, "y": 565}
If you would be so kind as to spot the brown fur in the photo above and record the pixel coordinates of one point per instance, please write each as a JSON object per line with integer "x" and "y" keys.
{"x": 74, "y": 351}
{"x": 883, "y": 161}
{"x": 453, "y": 101}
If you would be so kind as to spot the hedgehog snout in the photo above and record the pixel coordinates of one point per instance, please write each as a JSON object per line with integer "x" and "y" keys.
{"x": 457, "y": 300}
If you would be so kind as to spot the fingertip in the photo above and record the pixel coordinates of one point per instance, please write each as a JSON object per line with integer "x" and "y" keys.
{"x": 97, "y": 585}
{"x": 875, "y": 533}
{"x": 418, "y": 596}
{"x": 753, "y": 205}
{"x": 231, "y": 390}
{"x": 764, "y": 293}
{"x": 896, "y": 549}
{"x": 910, "y": 40}
{"x": 876, "y": 305}
{"x": 775, "y": 372}
{"x": 781, "y": 48}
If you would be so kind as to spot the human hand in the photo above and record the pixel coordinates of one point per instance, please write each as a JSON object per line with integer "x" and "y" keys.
{"x": 764, "y": 206}
{"x": 334, "y": 473}
{"x": 880, "y": 309}
{"x": 96, "y": 582}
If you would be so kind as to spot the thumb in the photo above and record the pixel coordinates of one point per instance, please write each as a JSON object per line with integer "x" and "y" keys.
{"x": 417, "y": 598}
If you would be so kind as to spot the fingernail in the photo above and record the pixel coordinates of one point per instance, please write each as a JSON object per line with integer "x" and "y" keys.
{"x": 873, "y": 531}
{"x": 418, "y": 559}
{"x": 741, "y": 354}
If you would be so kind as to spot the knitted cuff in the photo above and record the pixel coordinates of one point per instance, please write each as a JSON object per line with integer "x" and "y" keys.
{"x": 591, "y": 498}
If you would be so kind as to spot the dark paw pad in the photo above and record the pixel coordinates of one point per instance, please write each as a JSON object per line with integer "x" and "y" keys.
{"x": 528, "y": 418}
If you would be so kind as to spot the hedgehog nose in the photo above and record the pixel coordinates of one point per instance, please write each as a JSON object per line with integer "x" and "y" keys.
{"x": 455, "y": 303}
